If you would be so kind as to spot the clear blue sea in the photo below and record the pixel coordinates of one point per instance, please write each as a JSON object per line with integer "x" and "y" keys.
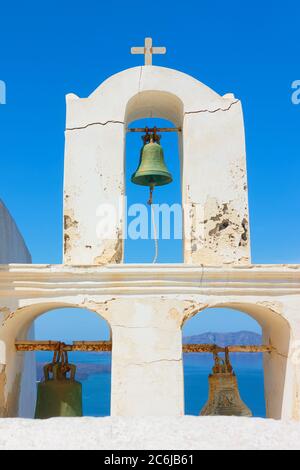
{"x": 94, "y": 374}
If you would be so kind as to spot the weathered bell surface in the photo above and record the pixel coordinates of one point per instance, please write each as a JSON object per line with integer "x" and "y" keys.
{"x": 152, "y": 170}
{"x": 224, "y": 397}
{"x": 59, "y": 396}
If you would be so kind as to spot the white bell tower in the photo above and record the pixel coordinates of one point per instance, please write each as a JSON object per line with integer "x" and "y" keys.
{"x": 213, "y": 161}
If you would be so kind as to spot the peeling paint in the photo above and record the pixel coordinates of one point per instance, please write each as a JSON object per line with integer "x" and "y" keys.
{"x": 7, "y": 315}
{"x": 276, "y": 307}
{"x": 67, "y": 243}
{"x": 69, "y": 222}
{"x": 99, "y": 307}
{"x": 112, "y": 252}
{"x": 70, "y": 231}
{"x": 224, "y": 238}
{"x": 192, "y": 309}
{"x": 5, "y": 310}
{"x": 244, "y": 236}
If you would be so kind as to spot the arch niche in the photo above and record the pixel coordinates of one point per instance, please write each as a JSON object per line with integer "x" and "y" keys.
{"x": 276, "y": 331}
{"x": 19, "y": 395}
{"x": 157, "y": 104}
{"x": 212, "y": 138}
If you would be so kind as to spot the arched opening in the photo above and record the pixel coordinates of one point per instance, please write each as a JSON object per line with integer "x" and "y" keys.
{"x": 261, "y": 376}
{"x": 62, "y": 323}
{"x": 164, "y": 222}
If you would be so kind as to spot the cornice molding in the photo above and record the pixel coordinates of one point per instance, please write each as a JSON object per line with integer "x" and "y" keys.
{"x": 55, "y": 280}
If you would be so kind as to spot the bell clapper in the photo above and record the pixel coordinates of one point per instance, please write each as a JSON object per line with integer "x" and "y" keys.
{"x": 150, "y": 201}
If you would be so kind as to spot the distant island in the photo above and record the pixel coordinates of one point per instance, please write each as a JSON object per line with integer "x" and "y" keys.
{"x": 225, "y": 339}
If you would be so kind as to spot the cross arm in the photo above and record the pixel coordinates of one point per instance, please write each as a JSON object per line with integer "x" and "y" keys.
{"x": 159, "y": 50}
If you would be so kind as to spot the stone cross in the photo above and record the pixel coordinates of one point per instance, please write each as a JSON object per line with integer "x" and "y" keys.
{"x": 148, "y": 51}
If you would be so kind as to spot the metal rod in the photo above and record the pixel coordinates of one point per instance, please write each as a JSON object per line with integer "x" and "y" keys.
{"x": 211, "y": 348}
{"x": 106, "y": 346}
{"x": 92, "y": 346}
{"x": 84, "y": 346}
{"x": 152, "y": 129}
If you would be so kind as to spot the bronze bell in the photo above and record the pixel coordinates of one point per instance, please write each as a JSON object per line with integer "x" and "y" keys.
{"x": 59, "y": 395}
{"x": 224, "y": 397}
{"x": 152, "y": 170}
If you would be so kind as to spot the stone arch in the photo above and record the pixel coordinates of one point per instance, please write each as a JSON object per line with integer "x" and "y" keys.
{"x": 24, "y": 316}
{"x": 276, "y": 331}
{"x": 19, "y": 373}
{"x": 159, "y": 104}
{"x": 162, "y": 109}
{"x": 213, "y": 137}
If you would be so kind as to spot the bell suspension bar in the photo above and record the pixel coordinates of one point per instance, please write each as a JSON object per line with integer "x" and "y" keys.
{"x": 106, "y": 346}
{"x": 154, "y": 129}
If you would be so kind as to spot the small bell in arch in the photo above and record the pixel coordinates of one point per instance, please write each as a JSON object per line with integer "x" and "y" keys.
{"x": 152, "y": 170}
{"x": 224, "y": 397}
{"x": 59, "y": 395}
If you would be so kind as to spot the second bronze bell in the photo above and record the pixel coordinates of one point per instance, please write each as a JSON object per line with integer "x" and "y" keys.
{"x": 224, "y": 397}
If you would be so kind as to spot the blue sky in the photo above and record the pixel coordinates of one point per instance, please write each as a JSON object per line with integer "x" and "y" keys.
{"x": 50, "y": 49}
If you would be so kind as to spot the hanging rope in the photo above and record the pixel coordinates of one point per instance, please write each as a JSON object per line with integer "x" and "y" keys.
{"x": 150, "y": 202}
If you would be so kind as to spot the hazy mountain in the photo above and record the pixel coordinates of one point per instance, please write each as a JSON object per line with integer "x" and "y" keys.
{"x": 225, "y": 339}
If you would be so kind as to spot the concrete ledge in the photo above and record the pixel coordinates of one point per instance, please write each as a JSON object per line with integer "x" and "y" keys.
{"x": 185, "y": 433}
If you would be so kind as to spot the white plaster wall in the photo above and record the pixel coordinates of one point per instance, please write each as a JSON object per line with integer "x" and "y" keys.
{"x": 14, "y": 250}
{"x": 93, "y": 184}
{"x": 147, "y": 357}
{"x": 214, "y": 182}
{"x": 215, "y": 188}
{"x": 146, "y": 307}
{"x": 12, "y": 245}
